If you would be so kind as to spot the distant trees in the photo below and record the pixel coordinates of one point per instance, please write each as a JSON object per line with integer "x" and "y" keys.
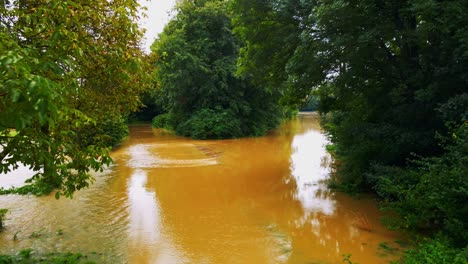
{"x": 196, "y": 58}
{"x": 66, "y": 68}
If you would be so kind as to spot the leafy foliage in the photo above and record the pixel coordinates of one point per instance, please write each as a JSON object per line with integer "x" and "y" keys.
{"x": 432, "y": 196}
{"x": 108, "y": 133}
{"x": 207, "y": 123}
{"x": 195, "y": 71}
{"x": 39, "y": 188}
{"x": 435, "y": 251}
{"x": 391, "y": 79}
{"x": 381, "y": 70}
{"x": 64, "y": 66}
{"x": 161, "y": 121}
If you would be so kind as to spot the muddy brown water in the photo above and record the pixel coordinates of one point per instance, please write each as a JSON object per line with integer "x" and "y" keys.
{"x": 169, "y": 199}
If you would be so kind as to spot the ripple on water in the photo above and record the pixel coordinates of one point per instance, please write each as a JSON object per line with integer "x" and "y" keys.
{"x": 49, "y": 225}
{"x": 159, "y": 156}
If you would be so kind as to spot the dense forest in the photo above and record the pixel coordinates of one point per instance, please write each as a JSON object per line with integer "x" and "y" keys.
{"x": 389, "y": 77}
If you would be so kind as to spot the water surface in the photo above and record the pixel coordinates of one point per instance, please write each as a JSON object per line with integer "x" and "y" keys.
{"x": 169, "y": 199}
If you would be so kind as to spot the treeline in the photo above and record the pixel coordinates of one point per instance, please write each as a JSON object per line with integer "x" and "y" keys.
{"x": 391, "y": 79}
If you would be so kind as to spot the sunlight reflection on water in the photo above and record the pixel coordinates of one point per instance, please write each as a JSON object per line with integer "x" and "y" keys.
{"x": 310, "y": 174}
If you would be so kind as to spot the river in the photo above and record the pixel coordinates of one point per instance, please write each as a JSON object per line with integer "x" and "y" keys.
{"x": 168, "y": 199}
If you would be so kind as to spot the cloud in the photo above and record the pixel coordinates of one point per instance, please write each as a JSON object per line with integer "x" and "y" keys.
{"x": 158, "y": 13}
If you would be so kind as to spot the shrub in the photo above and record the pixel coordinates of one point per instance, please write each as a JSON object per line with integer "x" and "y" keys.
{"x": 161, "y": 121}
{"x": 114, "y": 131}
{"x": 211, "y": 124}
{"x": 433, "y": 195}
{"x": 435, "y": 251}
{"x": 38, "y": 188}
{"x": 108, "y": 133}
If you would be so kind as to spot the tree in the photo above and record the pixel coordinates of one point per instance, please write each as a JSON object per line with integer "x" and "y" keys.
{"x": 65, "y": 65}
{"x": 391, "y": 81}
{"x": 270, "y": 33}
{"x": 381, "y": 70}
{"x": 196, "y": 71}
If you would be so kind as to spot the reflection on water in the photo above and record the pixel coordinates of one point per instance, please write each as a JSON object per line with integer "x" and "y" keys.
{"x": 169, "y": 199}
{"x": 144, "y": 226}
{"x": 310, "y": 174}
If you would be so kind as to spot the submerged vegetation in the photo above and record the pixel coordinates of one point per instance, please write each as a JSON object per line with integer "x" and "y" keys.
{"x": 38, "y": 189}
{"x": 26, "y": 256}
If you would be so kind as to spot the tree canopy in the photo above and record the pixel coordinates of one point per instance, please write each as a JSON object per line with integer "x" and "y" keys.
{"x": 387, "y": 72}
{"x": 196, "y": 58}
{"x": 65, "y": 65}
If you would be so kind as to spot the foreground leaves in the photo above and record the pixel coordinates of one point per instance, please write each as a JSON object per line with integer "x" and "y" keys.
{"x": 64, "y": 65}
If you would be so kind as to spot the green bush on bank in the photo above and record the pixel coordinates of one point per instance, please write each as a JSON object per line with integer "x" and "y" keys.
{"x": 435, "y": 251}
{"x": 107, "y": 133}
{"x": 219, "y": 123}
{"x": 433, "y": 195}
{"x": 198, "y": 81}
{"x": 211, "y": 124}
{"x": 430, "y": 196}
{"x": 161, "y": 121}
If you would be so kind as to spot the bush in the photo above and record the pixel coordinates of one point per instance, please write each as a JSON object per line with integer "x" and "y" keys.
{"x": 108, "y": 133}
{"x": 114, "y": 131}
{"x": 161, "y": 121}
{"x": 433, "y": 195}
{"x": 289, "y": 113}
{"x": 211, "y": 124}
{"x": 435, "y": 251}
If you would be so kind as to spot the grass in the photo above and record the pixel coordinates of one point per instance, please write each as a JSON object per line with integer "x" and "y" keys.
{"x": 27, "y": 256}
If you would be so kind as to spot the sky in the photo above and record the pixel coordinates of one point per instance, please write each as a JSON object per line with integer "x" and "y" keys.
{"x": 158, "y": 14}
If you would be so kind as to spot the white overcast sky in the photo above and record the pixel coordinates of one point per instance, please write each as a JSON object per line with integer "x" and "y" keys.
{"x": 158, "y": 14}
